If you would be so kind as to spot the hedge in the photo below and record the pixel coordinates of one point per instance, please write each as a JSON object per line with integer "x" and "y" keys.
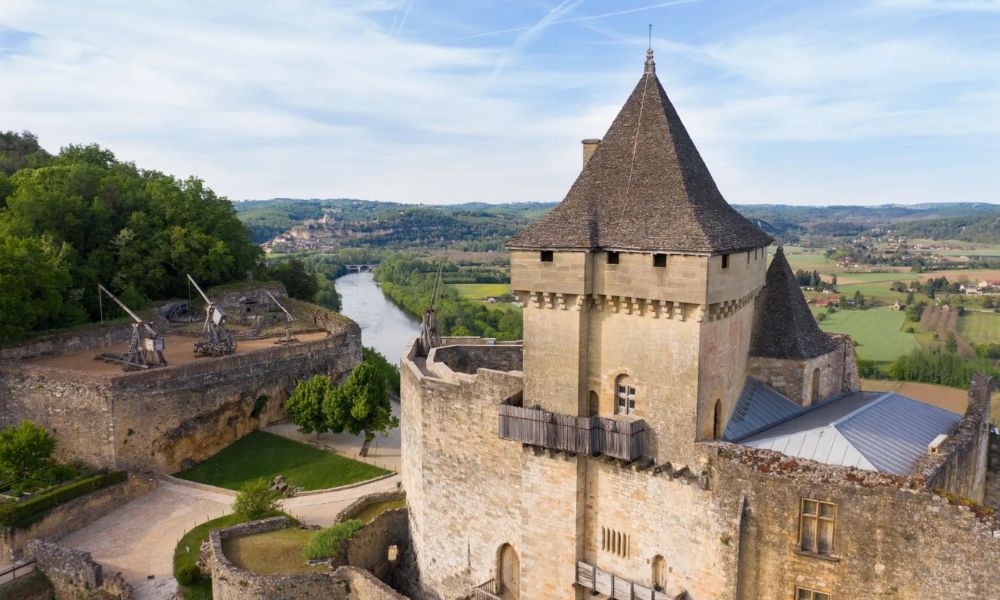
{"x": 25, "y": 512}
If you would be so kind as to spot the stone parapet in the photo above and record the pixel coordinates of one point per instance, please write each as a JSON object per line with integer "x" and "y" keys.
{"x": 74, "y": 574}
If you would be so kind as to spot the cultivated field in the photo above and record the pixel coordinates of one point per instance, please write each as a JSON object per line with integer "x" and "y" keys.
{"x": 480, "y": 291}
{"x": 980, "y": 327}
{"x": 878, "y": 332}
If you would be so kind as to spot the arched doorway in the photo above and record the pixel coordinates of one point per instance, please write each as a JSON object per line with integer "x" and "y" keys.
{"x": 659, "y": 573}
{"x": 509, "y": 573}
{"x": 593, "y": 404}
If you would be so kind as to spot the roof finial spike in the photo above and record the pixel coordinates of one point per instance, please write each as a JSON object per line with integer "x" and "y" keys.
{"x": 650, "y": 65}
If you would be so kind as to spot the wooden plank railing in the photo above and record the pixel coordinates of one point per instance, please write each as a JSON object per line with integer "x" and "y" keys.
{"x": 487, "y": 591}
{"x": 612, "y": 586}
{"x": 17, "y": 570}
{"x": 581, "y": 435}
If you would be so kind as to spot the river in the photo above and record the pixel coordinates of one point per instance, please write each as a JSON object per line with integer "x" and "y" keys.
{"x": 384, "y": 326}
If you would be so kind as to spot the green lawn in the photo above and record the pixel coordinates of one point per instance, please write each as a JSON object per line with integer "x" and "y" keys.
{"x": 272, "y": 553}
{"x": 262, "y": 454}
{"x": 980, "y": 327}
{"x": 480, "y": 291}
{"x": 877, "y": 331}
{"x": 186, "y": 553}
{"x": 808, "y": 258}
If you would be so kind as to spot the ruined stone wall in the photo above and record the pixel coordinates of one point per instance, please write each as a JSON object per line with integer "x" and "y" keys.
{"x": 892, "y": 539}
{"x": 368, "y": 549}
{"x": 84, "y": 338}
{"x": 163, "y": 419}
{"x": 231, "y": 582}
{"x": 838, "y": 373}
{"x": 463, "y": 484}
{"x": 70, "y": 516}
{"x": 960, "y": 465}
{"x": 75, "y": 576}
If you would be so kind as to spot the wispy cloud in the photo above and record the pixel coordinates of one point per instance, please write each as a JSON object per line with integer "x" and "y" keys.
{"x": 942, "y": 5}
{"x": 532, "y": 33}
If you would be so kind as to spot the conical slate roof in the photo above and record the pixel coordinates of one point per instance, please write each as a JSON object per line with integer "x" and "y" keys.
{"x": 645, "y": 188}
{"x": 783, "y": 327}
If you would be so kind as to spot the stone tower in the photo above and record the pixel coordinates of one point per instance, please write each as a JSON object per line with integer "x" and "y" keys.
{"x": 639, "y": 287}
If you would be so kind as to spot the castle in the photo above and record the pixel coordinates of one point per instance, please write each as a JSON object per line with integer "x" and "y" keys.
{"x": 675, "y": 425}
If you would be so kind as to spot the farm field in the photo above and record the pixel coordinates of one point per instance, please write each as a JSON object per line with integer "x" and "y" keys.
{"x": 480, "y": 291}
{"x": 878, "y": 332}
{"x": 980, "y": 327}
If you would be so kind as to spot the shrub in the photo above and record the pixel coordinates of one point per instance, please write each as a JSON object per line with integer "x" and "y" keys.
{"x": 188, "y": 575}
{"x": 25, "y": 449}
{"x": 27, "y": 511}
{"x": 326, "y": 542}
{"x": 256, "y": 501}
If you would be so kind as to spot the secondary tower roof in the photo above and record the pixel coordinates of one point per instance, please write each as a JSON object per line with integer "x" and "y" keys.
{"x": 783, "y": 327}
{"x": 645, "y": 188}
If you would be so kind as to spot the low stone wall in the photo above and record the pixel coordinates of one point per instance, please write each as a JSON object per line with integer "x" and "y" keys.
{"x": 84, "y": 338}
{"x": 355, "y": 508}
{"x": 469, "y": 359}
{"x": 74, "y": 574}
{"x": 70, "y": 516}
{"x": 230, "y": 582}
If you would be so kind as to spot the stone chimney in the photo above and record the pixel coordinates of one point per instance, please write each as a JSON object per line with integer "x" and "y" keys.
{"x": 589, "y": 145}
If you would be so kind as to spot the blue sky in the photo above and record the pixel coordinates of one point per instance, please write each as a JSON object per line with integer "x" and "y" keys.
{"x": 790, "y": 101}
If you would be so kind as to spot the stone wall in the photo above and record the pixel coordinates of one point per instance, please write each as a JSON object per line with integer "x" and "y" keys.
{"x": 164, "y": 419}
{"x": 468, "y": 359}
{"x": 368, "y": 549}
{"x": 838, "y": 373}
{"x": 892, "y": 538}
{"x": 70, "y": 516}
{"x": 959, "y": 466}
{"x": 230, "y": 582}
{"x": 358, "y": 506}
{"x": 83, "y": 338}
{"x": 74, "y": 574}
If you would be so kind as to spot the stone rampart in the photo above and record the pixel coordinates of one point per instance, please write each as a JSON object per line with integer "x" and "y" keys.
{"x": 84, "y": 338}
{"x": 164, "y": 419}
{"x": 70, "y": 516}
{"x": 470, "y": 358}
{"x": 74, "y": 574}
{"x": 369, "y": 548}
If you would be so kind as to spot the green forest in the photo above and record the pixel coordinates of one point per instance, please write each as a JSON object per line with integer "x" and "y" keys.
{"x": 409, "y": 282}
{"x": 71, "y": 220}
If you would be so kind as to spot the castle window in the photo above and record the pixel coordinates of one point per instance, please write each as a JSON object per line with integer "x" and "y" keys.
{"x": 614, "y": 542}
{"x": 807, "y": 594}
{"x": 624, "y": 396}
{"x": 612, "y": 258}
{"x": 717, "y": 420}
{"x": 725, "y": 261}
{"x": 659, "y": 260}
{"x": 545, "y": 256}
{"x": 816, "y": 521}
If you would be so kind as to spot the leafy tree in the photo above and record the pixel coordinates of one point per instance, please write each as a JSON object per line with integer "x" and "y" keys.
{"x": 305, "y": 406}
{"x": 909, "y": 298}
{"x": 299, "y": 282}
{"x": 25, "y": 449}
{"x": 34, "y": 274}
{"x": 256, "y": 501}
{"x": 389, "y": 371}
{"x": 361, "y": 405}
{"x": 859, "y": 299}
{"x": 833, "y": 280}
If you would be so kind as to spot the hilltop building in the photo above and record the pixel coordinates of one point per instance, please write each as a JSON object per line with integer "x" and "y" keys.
{"x": 675, "y": 424}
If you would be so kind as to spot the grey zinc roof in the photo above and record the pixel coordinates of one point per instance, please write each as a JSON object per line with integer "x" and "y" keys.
{"x": 645, "y": 188}
{"x": 783, "y": 327}
{"x": 759, "y": 406}
{"x": 868, "y": 430}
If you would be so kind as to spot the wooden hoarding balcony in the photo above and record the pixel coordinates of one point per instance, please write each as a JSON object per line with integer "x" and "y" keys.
{"x": 589, "y": 436}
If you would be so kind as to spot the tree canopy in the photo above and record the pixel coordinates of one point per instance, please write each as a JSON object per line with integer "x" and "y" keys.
{"x": 81, "y": 217}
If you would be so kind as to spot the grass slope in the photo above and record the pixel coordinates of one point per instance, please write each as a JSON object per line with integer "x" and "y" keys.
{"x": 186, "y": 553}
{"x": 272, "y": 553}
{"x": 877, "y": 331}
{"x": 262, "y": 454}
